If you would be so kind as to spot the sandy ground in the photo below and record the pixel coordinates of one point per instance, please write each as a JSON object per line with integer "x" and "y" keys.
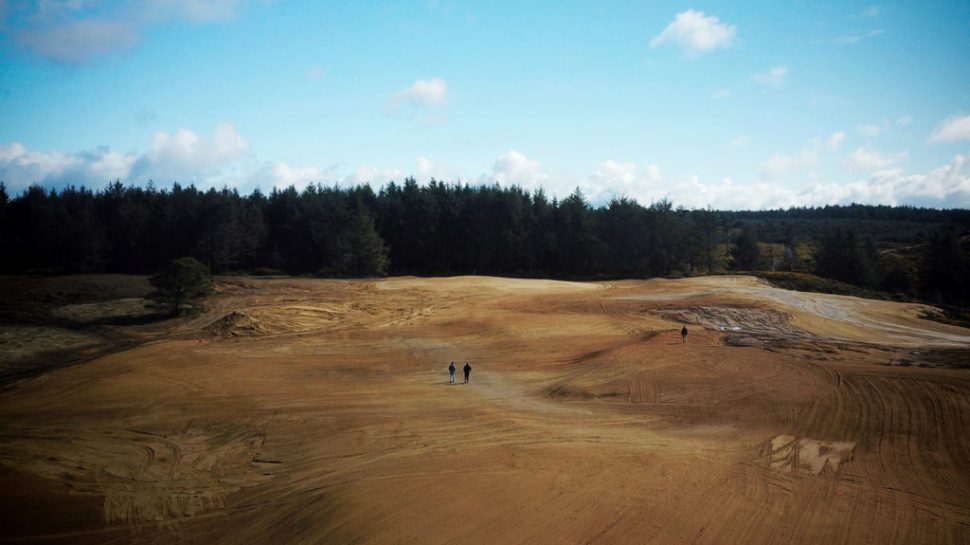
{"x": 315, "y": 411}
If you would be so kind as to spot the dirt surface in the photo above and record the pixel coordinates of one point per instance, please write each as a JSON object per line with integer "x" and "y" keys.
{"x": 319, "y": 411}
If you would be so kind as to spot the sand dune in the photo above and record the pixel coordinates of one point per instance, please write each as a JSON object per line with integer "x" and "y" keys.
{"x": 317, "y": 411}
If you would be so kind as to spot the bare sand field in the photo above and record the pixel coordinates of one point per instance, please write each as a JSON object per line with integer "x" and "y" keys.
{"x": 319, "y": 411}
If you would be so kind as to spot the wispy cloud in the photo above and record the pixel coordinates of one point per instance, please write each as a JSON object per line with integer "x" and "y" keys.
{"x": 373, "y": 176}
{"x": 696, "y": 33}
{"x": 856, "y": 38}
{"x": 951, "y": 129}
{"x": 835, "y": 140}
{"x": 774, "y": 77}
{"x": 75, "y": 31}
{"x": 869, "y": 159}
{"x": 780, "y": 163}
{"x": 871, "y": 130}
{"x": 738, "y": 142}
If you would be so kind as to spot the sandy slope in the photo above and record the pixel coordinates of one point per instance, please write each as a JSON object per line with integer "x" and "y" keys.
{"x": 310, "y": 411}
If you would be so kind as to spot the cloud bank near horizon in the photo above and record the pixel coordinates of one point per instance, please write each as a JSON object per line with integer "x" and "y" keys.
{"x": 224, "y": 158}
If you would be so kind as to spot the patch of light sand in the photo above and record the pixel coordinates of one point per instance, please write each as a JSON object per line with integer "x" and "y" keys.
{"x": 485, "y": 283}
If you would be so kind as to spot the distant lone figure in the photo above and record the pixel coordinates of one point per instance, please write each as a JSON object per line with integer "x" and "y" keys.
{"x": 468, "y": 370}
{"x": 451, "y": 372}
{"x": 683, "y": 333}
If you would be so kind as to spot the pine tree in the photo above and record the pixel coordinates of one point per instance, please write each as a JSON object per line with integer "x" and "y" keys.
{"x": 842, "y": 255}
{"x": 945, "y": 277}
{"x": 362, "y": 250}
{"x": 745, "y": 253}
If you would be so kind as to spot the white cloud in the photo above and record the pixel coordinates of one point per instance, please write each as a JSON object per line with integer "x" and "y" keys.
{"x": 871, "y": 130}
{"x": 738, "y": 142}
{"x": 185, "y": 157}
{"x": 951, "y": 129}
{"x": 944, "y": 187}
{"x": 73, "y": 32}
{"x": 726, "y": 194}
{"x": 856, "y": 38}
{"x": 627, "y": 174}
{"x": 196, "y": 11}
{"x": 423, "y": 93}
{"x": 182, "y": 156}
{"x": 904, "y": 121}
{"x": 870, "y": 12}
{"x": 623, "y": 179}
{"x": 723, "y": 92}
{"x": 835, "y": 140}
{"x": 221, "y": 159}
{"x": 514, "y": 168}
{"x": 780, "y": 164}
{"x": 20, "y": 167}
{"x": 870, "y": 159}
{"x": 375, "y": 177}
{"x": 427, "y": 169}
{"x": 775, "y": 76}
{"x": 282, "y": 175}
{"x": 78, "y": 40}
{"x": 425, "y": 165}
{"x": 696, "y": 33}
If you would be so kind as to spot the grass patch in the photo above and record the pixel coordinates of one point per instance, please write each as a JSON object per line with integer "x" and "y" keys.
{"x": 809, "y": 282}
{"x": 959, "y": 317}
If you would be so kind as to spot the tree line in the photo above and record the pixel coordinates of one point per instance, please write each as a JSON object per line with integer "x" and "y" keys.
{"x": 447, "y": 229}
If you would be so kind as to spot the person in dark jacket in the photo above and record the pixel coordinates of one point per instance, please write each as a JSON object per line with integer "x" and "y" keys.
{"x": 451, "y": 372}
{"x": 683, "y": 333}
{"x": 468, "y": 370}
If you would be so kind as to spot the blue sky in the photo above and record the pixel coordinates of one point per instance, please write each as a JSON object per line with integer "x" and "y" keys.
{"x": 730, "y": 105}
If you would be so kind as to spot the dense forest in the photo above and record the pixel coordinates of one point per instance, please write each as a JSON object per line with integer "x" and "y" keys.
{"x": 447, "y": 229}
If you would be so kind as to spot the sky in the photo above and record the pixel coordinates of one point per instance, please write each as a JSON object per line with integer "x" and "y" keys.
{"x": 729, "y": 105}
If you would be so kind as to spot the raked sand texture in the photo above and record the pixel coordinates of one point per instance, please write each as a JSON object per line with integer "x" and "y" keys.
{"x": 318, "y": 411}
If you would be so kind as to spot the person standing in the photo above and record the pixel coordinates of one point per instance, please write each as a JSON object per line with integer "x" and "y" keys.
{"x": 468, "y": 370}
{"x": 683, "y": 333}
{"x": 451, "y": 372}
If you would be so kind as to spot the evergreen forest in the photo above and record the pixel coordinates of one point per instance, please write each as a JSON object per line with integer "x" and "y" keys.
{"x": 453, "y": 229}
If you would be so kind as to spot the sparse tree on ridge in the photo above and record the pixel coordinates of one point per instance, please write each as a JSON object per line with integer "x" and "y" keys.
{"x": 945, "y": 278}
{"x": 706, "y": 234}
{"x": 745, "y": 253}
{"x": 842, "y": 255}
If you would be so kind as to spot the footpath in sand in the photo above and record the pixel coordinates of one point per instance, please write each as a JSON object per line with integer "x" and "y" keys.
{"x": 319, "y": 411}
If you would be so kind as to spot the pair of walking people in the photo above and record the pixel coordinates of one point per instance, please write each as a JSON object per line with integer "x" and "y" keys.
{"x": 451, "y": 371}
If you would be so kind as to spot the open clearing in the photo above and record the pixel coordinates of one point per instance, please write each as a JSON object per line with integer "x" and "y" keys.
{"x": 319, "y": 411}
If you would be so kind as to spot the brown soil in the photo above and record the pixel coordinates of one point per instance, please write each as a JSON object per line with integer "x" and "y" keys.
{"x": 319, "y": 411}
